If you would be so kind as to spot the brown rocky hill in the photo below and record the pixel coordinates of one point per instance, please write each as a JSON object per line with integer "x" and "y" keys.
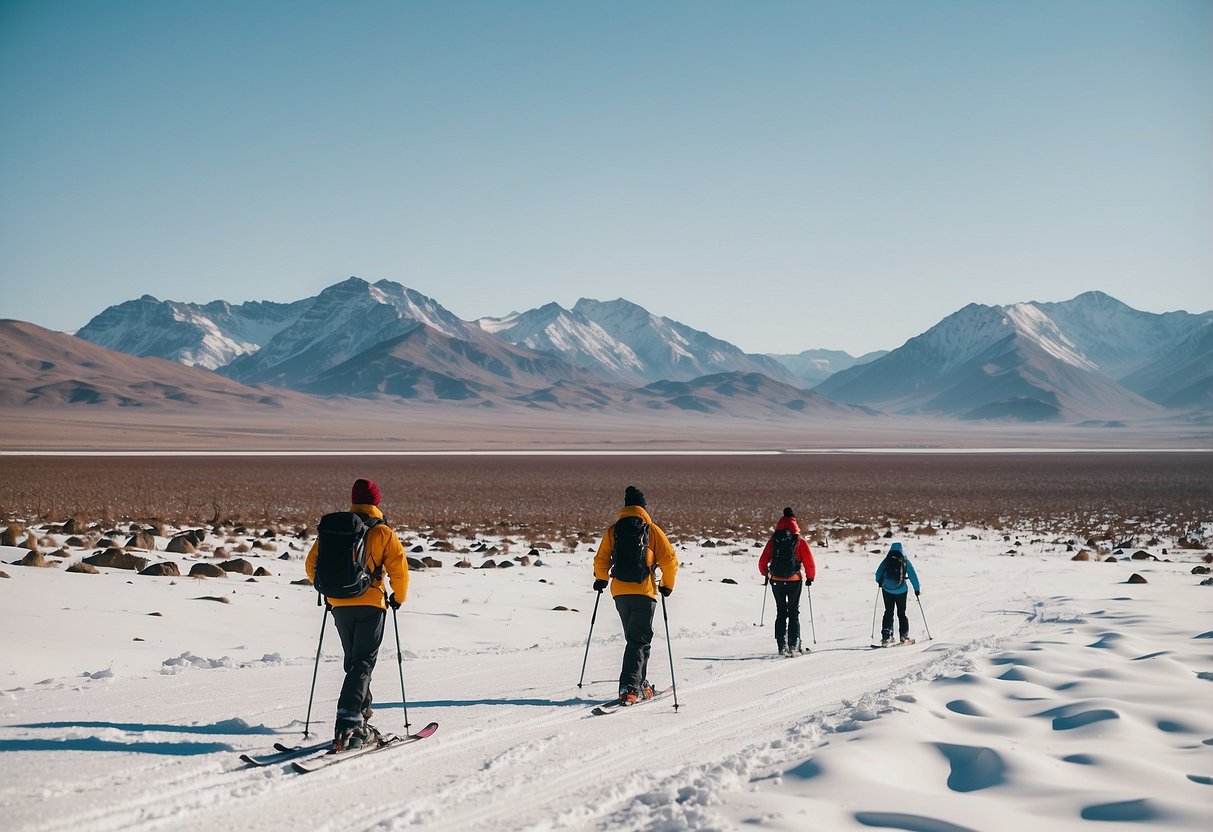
{"x": 41, "y": 367}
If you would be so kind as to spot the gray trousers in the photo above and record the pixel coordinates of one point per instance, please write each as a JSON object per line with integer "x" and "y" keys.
{"x": 636, "y": 613}
{"x": 361, "y": 632}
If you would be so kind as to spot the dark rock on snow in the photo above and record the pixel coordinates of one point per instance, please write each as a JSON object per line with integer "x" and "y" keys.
{"x": 207, "y": 570}
{"x": 164, "y": 569}
{"x": 115, "y": 558}
{"x": 1137, "y": 579}
{"x": 239, "y": 565}
{"x": 141, "y": 540}
{"x": 181, "y": 545}
{"x": 34, "y": 559}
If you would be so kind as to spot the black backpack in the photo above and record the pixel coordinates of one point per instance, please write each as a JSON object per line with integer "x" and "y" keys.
{"x": 784, "y": 563}
{"x": 629, "y": 561}
{"x": 895, "y": 568}
{"x": 341, "y": 567}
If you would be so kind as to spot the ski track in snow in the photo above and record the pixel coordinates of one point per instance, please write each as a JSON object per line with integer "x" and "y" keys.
{"x": 1056, "y": 699}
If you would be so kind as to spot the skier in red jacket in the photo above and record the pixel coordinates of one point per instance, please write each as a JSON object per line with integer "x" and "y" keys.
{"x": 786, "y": 561}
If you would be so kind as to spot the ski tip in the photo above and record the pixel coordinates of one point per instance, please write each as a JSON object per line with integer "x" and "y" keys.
{"x": 426, "y": 731}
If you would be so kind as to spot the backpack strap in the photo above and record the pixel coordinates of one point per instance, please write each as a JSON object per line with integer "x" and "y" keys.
{"x": 372, "y": 522}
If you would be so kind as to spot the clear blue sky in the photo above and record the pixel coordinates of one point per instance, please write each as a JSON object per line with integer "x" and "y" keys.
{"x": 784, "y": 175}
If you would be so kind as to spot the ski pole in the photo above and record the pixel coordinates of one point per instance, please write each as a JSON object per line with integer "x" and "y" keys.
{"x": 812, "y": 624}
{"x": 875, "y": 604}
{"x": 400, "y": 665}
{"x": 315, "y": 670}
{"x": 924, "y": 616}
{"x": 762, "y": 621}
{"x": 587, "y": 639}
{"x": 673, "y": 683}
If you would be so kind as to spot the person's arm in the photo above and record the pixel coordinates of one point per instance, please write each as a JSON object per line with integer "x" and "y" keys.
{"x": 764, "y": 562}
{"x": 667, "y": 560}
{"x": 880, "y": 571}
{"x": 396, "y": 564}
{"x": 913, "y": 576}
{"x": 602, "y": 559}
{"x": 806, "y": 560}
{"x": 309, "y": 565}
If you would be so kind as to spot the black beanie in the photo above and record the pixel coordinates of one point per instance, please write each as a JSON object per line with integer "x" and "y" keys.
{"x": 633, "y": 496}
{"x": 787, "y": 512}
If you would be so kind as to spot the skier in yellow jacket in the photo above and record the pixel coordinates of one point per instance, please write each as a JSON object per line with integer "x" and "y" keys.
{"x": 359, "y": 620}
{"x": 630, "y": 552}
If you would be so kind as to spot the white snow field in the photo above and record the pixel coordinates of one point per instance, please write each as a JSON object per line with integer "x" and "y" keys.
{"x": 1052, "y": 696}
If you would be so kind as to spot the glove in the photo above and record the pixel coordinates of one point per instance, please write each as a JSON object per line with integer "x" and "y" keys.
{"x": 808, "y": 581}
{"x": 917, "y": 592}
{"x": 600, "y": 585}
{"x": 392, "y": 602}
{"x": 665, "y": 590}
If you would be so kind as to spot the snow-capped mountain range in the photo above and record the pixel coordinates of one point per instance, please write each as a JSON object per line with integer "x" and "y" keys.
{"x": 1088, "y": 358}
{"x": 209, "y": 336}
{"x": 1018, "y": 362}
{"x": 625, "y": 342}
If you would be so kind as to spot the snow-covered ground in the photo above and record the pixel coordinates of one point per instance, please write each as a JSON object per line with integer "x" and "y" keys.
{"x": 1052, "y": 696}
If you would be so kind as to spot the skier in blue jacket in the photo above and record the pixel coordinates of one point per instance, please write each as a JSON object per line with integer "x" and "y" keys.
{"x": 891, "y": 576}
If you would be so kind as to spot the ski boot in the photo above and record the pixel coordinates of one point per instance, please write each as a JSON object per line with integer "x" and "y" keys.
{"x": 344, "y": 736}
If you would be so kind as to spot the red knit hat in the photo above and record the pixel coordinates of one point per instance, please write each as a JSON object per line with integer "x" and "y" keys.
{"x": 364, "y": 493}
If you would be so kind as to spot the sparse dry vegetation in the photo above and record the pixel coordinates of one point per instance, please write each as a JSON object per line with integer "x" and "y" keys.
{"x": 569, "y": 500}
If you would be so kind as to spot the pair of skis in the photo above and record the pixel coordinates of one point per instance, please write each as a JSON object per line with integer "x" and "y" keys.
{"x": 614, "y": 706}
{"x": 904, "y": 643}
{"x": 308, "y": 758}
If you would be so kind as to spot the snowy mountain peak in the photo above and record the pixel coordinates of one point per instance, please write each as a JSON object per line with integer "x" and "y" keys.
{"x": 342, "y": 321}
{"x": 1115, "y": 336}
{"x": 1032, "y": 323}
{"x": 207, "y": 336}
{"x": 554, "y": 329}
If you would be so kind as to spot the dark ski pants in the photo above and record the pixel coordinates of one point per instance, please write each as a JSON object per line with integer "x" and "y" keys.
{"x": 892, "y": 600}
{"x": 787, "y": 612}
{"x": 636, "y": 613}
{"x": 361, "y": 632}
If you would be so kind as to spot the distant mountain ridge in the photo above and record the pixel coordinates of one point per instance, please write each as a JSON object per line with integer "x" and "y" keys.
{"x": 625, "y": 342}
{"x": 1090, "y": 358}
{"x": 815, "y": 366}
{"x": 343, "y": 320}
{"x": 1017, "y": 362}
{"x": 41, "y": 368}
{"x": 208, "y": 336}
